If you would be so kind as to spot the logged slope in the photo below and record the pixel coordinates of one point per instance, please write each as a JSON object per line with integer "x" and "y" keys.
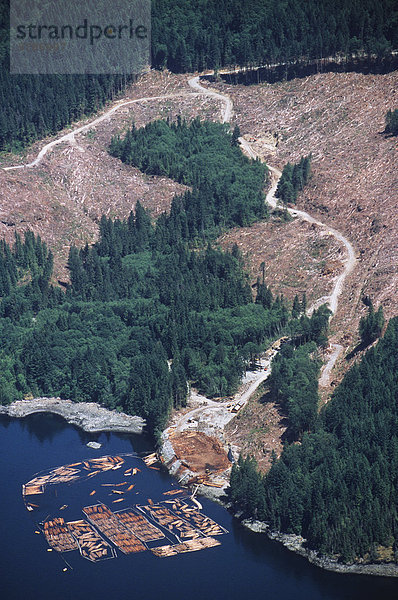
{"x": 62, "y": 196}
{"x": 339, "y": 118}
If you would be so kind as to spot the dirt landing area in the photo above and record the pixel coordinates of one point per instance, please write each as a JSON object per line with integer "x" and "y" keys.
{"x": 199, "y": 452}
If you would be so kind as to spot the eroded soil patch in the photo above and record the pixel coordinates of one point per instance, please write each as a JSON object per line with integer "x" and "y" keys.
{"x": 199, "y": 452}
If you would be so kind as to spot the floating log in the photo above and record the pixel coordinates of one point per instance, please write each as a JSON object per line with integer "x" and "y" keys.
{"x": 150, "y": 459}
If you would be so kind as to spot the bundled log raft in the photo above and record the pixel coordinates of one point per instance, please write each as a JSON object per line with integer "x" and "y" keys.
{"x": 105, "y": 520}
{"x": 162, "y": 515}
{"x": 72, "y": 472}
{"x": 188, "y": 546}
{"x": 139, "y": 525}
{"x": 29, "y": 489}
{"x": 196, "y": 519}
{"x": 58, "y": 535}
{"x": 130, "y": 530}
{"x": 91, "y": 545}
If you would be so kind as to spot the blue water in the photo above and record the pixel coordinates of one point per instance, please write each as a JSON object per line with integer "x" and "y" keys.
{"x": 246, "y": 566}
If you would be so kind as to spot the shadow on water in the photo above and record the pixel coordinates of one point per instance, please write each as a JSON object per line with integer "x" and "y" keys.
{"x": 46, "y": 426}
{"x": 329, "y": 585}
{"x": 43, "y": 426}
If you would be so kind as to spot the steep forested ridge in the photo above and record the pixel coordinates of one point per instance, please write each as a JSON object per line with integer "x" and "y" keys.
{"x": 338, "y": 488}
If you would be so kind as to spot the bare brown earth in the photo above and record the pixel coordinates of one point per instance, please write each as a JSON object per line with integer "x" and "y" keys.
{"x": 63, "y": 198}
{"x": 298, "y": 257}
{"x": 258, "y": 429}
{"x": 200, "y": 452}
{"x": 339, "y": 118}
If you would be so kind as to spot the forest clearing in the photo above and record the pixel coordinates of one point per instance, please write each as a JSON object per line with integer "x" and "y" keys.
{"x": 323, "y": 245}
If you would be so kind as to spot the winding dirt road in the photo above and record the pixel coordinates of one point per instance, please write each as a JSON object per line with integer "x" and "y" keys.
{"x": 70, "y": 137}
{"x": 220, "y": 411}
{"x": 350, "y": 261}
{"x": 194, "y": 83}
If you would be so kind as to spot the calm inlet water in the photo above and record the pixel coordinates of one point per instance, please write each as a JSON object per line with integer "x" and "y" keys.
{"x": 246, "y": 566}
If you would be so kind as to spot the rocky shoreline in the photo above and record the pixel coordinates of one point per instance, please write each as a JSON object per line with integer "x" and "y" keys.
{"x": 295, "y": 543}
{"x": 89, "y": 416}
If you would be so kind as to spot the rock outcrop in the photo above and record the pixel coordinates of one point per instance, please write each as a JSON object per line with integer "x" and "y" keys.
{"x": 89, "y": 416}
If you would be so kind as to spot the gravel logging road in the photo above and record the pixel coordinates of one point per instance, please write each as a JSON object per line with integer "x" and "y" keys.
{"x": 227, "y": 112}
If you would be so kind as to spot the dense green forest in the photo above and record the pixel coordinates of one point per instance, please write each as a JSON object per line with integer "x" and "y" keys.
{"x": 293, "y": 382}
{"x": 338, "y": 488}
{"x": 392, "y": 122}
{"x": 293, "y": 180}
{"x": 138, "y": 298}
{"x": 189, "y": 35}
{"x": 34, "y": 106}
{"x": 143, "y": 315}
{"x": 227, "y": 187}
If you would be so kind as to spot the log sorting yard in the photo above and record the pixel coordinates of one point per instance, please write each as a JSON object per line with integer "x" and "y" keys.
{"x": 173, "y": 525}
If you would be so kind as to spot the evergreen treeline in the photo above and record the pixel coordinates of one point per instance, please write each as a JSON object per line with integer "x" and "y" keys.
{"x": 34, "y": 106}
{"x": 293, "y": 382}
{"x": 188, "y": 35}
{"x": 138, "y": 298}
{"x": 29, "y": 263}
{"x": 338, "y": 488}
{"x": 227, "y": 187}
{"x": 392, "y": 122}
{"x": 293, "y": 179}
